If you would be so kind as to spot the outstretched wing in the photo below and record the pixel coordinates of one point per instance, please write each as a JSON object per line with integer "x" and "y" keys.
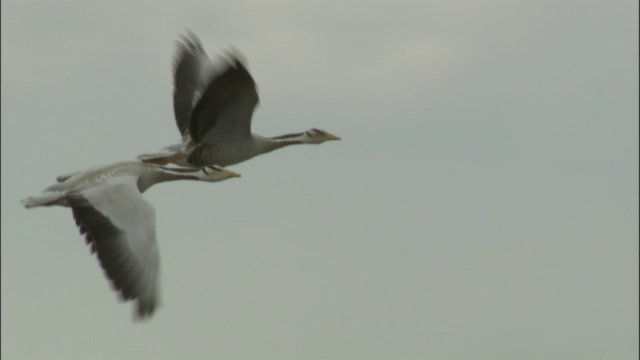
{"x": 192, "y": 72}
{"x": 223, "y": 113}
{"x": 120, "y": 227}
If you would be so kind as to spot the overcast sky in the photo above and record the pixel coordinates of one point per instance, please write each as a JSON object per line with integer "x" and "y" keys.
{"x": 483, "y": 203}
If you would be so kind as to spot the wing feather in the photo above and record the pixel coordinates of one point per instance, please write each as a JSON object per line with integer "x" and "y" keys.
{"x": 192, "y": 72}
{"x": 120, "y": 227}
{"x": 223, "y": 113}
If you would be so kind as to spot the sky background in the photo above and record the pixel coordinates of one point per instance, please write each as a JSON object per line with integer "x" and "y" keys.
{"x": 483, "y": 203}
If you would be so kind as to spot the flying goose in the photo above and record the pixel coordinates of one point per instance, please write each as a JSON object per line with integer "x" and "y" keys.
{"x": 119, "y": 223}
{"x": 213, "y": 106}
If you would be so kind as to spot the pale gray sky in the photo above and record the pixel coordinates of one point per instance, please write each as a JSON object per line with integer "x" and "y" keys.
{"x": 483, "y": 203}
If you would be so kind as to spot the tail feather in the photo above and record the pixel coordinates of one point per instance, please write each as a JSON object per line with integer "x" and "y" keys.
{"x": 46, "y": 198}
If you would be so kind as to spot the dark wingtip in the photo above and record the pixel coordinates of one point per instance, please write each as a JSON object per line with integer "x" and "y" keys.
{"x": 144, "y": 311}
{"x": 189, "y": 41}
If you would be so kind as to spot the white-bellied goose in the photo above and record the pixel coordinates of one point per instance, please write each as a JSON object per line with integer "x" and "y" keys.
{"x": 213, "y": 107}
{"x": 119, "y": 223}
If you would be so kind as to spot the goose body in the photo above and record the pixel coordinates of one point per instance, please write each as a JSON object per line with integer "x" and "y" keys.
{"x": 119, "y": 223}
{"x": 213, "y": 107}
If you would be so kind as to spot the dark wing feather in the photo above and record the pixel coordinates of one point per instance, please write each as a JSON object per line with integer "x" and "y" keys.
{"x": 223, "y": 113}
{"x": 191, "y": 73}
{"x": 120, "y": 228}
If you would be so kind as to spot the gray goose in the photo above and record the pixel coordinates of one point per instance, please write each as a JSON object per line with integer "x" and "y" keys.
{"x": 119, "y": 224}
{"x": 213, "y": 107}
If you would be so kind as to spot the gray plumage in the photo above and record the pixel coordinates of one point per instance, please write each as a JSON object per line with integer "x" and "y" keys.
{"x": 213, "y": 108}
{"x": 118, "y": 223}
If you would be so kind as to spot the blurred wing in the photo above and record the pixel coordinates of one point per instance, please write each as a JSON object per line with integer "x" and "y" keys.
{"x": 120, "y": 227}
{"x": 224, "y": 111}
{"x": 192, "y": 72}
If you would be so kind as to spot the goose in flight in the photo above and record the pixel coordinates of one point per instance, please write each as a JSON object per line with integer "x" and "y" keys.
{"x": 213, "y": 106}
{"x": 119, "y": 224}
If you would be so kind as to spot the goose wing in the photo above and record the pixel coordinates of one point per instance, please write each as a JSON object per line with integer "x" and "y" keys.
{"x": 192, "y": 72}
{"x": 120, "y": 227}
{"x": 223, "y": 113}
